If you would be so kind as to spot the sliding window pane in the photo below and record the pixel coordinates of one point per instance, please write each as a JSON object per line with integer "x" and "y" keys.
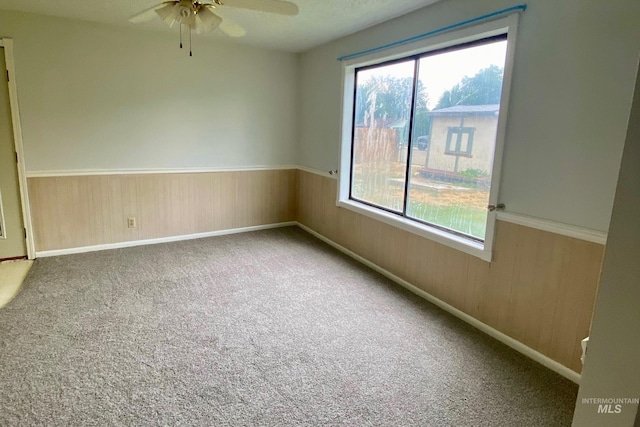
{"x": 454, "y": 137}
{"x": 381, "y": 134}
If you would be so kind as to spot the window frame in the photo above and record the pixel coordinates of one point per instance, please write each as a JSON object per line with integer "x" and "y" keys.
{"x": 506, "y": 25}
{"x": 459, "y": 131}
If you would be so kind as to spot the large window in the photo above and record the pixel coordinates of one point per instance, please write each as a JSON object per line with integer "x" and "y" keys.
{"x": 424, "y": 129}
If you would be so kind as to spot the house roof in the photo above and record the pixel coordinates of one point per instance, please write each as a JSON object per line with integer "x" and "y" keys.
{"x": 487, "y": 109}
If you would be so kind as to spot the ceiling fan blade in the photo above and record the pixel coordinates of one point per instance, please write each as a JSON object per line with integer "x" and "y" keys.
{"x": 279, "y": 7}
{"x": 148, "y": 14}
{"x": 232, "y": 28}
{"x": 206, "y": 20}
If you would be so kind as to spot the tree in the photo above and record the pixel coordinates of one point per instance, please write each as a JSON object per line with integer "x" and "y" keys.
{"x": 421, "y": 123}
{"x": 483, "y": 88}
{"x": 387, "y": 98}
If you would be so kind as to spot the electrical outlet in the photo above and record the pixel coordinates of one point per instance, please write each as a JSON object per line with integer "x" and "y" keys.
{"x": 131, "y": 222}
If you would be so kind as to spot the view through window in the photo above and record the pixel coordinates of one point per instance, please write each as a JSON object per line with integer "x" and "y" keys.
{"x": 424, "y": 135}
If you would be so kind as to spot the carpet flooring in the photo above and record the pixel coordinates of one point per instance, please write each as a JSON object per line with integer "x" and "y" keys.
{"x": 271, "y": 328}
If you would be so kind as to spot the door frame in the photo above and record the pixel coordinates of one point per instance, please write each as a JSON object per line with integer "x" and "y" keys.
{"x": 7, "y": 44}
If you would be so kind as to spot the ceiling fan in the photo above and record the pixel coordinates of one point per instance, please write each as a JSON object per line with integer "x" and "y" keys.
{"x": 203, "y": 16}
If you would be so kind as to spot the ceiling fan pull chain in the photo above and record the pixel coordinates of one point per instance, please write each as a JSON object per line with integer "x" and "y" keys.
{"x": 180, "y": 36}
{"x": 190, "y": 52}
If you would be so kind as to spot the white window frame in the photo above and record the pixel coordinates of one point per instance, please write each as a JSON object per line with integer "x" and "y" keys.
{"x": 507, "y": 25}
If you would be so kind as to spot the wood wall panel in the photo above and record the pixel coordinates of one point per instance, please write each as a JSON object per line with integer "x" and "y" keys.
{"x": 78, "y": 211}
{"x": 539, "y": 289}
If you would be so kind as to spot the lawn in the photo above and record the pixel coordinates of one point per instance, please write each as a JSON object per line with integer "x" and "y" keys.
{"x": 470, "y": 221}
{"x": 454, "y": 206}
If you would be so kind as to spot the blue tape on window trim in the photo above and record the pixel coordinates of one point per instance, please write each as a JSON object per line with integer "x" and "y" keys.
{"x": 520, "y": 8}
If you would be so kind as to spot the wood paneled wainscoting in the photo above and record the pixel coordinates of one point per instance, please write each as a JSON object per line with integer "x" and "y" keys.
{"x": 539, "y": 289}
{"x": 92, "y": 210}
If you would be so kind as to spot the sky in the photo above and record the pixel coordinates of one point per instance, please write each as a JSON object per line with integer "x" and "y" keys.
{"x": 442, "y": 71}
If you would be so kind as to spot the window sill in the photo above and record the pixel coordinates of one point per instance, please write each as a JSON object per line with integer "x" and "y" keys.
{"x": 468, "y": 246}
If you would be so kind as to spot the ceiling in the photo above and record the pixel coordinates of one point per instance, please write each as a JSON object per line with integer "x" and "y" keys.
{"x": 319, "y": 21}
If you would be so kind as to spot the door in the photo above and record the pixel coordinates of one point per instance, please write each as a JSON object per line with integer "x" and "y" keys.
{"x": 12, "y": 234}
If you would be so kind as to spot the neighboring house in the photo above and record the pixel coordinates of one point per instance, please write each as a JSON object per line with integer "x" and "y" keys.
{"x": 462, "y": 138}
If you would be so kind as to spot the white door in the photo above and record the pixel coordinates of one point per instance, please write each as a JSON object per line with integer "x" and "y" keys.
{"x": 12, "y": 234}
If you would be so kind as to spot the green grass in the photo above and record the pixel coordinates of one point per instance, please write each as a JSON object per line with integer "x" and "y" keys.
{"x": 465, "y": 220}
{"x": 444, "y": 208}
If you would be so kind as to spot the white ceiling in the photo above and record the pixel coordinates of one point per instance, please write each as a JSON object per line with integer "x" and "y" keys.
{"x": 319, "y": 21}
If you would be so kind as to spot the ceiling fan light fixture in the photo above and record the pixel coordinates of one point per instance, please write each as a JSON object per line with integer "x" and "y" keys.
{"x": 187, "y": 17}
{"x": 169, "y": 13}
{"x": 200, "y": 15}
{"x": 206, "y": 20}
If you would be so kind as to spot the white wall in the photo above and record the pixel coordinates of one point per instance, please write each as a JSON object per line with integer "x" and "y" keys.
{"x": 101, "y": 97}
{"x": 611, "y": 367}
{"x": 571, "y": 94}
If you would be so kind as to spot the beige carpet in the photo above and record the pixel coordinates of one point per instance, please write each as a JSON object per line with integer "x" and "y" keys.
{"x": 12, "y": 274}
{"x": 271, "y": 328}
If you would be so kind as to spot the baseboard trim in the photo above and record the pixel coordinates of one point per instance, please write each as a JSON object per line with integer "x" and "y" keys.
{"x": 119, "y": 245}
{"x": 503, "y": 338}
